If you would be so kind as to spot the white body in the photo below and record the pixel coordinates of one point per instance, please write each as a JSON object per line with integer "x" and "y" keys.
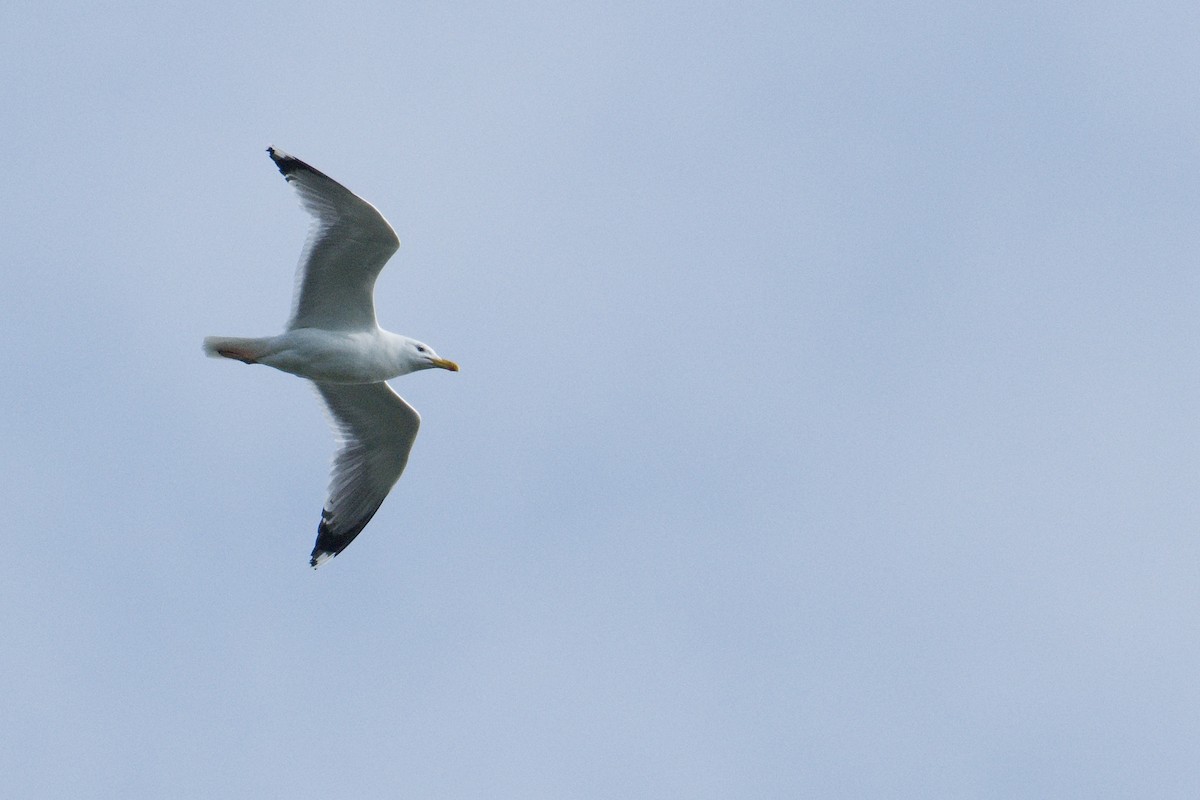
{"x": 329, "y": 356}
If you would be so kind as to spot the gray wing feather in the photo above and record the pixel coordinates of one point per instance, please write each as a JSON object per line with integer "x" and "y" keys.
{"x": 348, "y": 244}
{"x": 376, "y": 428}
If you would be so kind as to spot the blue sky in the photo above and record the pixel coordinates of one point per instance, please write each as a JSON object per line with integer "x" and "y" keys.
{"x": 827, "y": 424}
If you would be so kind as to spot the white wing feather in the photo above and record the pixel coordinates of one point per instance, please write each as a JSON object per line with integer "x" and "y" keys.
{"x": 347, "y": 247}
{"x": 377, "y": 429}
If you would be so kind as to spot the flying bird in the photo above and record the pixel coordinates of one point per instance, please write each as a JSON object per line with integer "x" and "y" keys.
{"x": 334, "y": 340}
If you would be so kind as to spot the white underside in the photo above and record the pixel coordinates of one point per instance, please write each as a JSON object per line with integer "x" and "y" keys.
{"x": 334, "y": 356}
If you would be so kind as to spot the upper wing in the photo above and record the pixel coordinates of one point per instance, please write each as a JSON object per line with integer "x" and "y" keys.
{"x": 347, "y": 247}
{"x": 377, "y": 429}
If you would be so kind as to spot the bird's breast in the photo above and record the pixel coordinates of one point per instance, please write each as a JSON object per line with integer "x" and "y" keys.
{"x": 332, "y": 356}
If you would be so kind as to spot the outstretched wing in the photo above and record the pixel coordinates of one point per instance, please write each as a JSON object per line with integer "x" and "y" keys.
{"x": 377, "y": 429}
{"x": 347, "y": 247}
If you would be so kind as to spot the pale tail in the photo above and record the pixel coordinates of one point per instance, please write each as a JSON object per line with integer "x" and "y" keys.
{"x": 235, "y": 347}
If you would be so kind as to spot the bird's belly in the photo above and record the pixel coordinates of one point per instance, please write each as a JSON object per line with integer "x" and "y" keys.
{"x": 330, "y": 356}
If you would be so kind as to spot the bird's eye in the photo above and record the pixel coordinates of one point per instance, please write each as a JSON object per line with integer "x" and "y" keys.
{"x": 420, "y": 348}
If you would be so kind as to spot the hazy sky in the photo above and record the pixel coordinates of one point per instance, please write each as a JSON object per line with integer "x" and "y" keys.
{"x": 827, "y": 427}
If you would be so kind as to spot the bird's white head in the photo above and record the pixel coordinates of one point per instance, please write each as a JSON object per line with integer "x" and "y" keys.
{"x": 418, "y": 355}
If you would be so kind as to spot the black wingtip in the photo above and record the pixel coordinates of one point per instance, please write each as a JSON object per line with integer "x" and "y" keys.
{"x": 330, "y": 544}
{"x": 289, "y": 165}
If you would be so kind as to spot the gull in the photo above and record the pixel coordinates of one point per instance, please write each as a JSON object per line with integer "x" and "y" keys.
{"x": 334, "y": 340}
